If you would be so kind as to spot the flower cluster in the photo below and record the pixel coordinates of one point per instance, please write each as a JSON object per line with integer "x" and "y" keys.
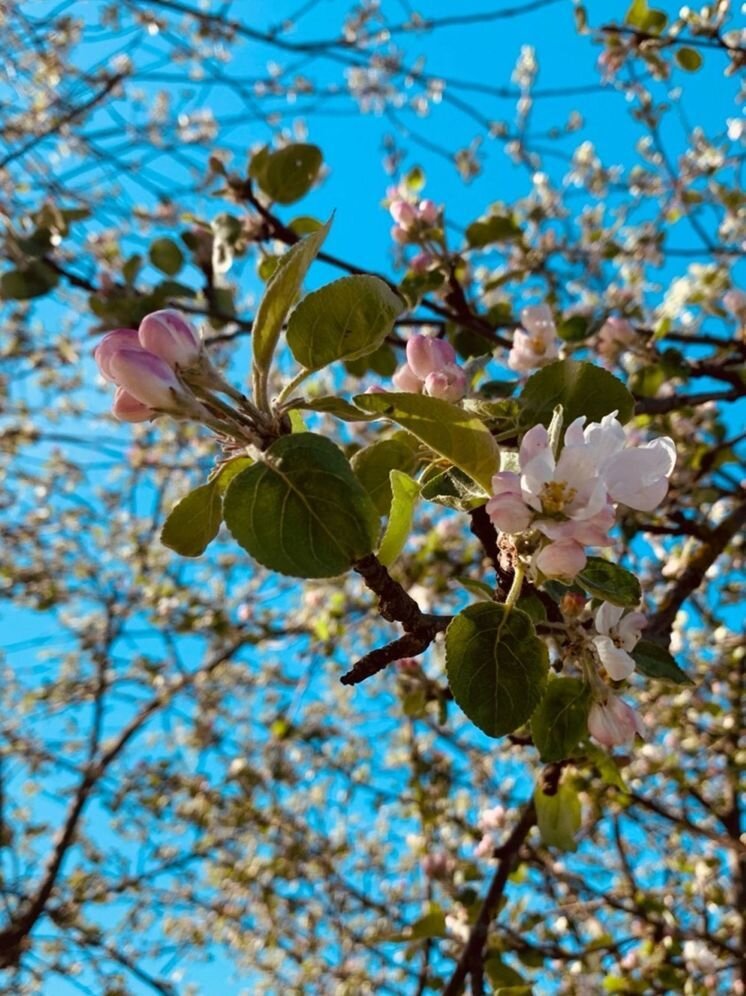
{"x": 162, "y": 367}
{"x": 144, "y": 364}
{"x": 615, "y": 335}
{"x": 569, "y": 500}
{"x": 431, "y": 367}
{"x": 411, "y": 220}
{"x": 536, "y": 343}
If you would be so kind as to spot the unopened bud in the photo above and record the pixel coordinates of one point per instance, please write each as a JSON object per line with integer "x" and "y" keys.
{"x": 169, "y": 335}
{"x": 562, "y": 559}
{"x": 405, "y": 379}
{"x": 448, "y": 384}
{"x": 148, "y": 378}
{"x": 429, "y": 212}
{"x": 126, "y": 408}
{"x": 403, "y": 213}
{"x": 425, "y": 355}
{"x": 614, "y": 723}
{"x": 111, "y": 343}
{"x": 572, "y": 604}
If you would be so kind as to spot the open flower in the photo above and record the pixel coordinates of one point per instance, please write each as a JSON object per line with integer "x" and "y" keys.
{"x": 618, "y": 634}
{"x": 536, "y": 343}
{"x": 613, "y": 723}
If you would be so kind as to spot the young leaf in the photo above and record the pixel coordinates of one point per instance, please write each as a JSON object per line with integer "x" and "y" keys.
{"x": 496, "y": 228}
{"x": 194, "y": 521}
{"x": 655, "y": 661}
{"x": 561, "y": 718}
{"x": 301, "y": 510}
{"x": 559, "y": 816}
{"x": 689, "y": 59}
{"x": 454, "y": 489}
{"x": 458, "y": 436}
{"x": 405, "y": 492}
{"x": 496, "y": 665}
{"x": 373, "y": 465}
{"x": 581, "y": 389}
{"x": 286, "y": 174}
{"x": 342, "y": 321}
{"x": 610, "y": 582}
{"x": 282, "y": 290}
{"x": 166, "y": 256}
{"x": 331, "y": 405}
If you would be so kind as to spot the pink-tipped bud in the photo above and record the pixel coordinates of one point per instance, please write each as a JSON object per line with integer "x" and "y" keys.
{"x": 403, "y": 213}
{"x": 735, "y": 302}
{"x": 400, "y": 235}
{"x": 422, "y": 262}
{"x": 169, "y": 335}
{"x": 614, "y": 723}
{"x": 572, "y": 604}
{"x": 426, "y": 355}
{"x": 562, "y": 559}
{"x": 129, "y": 409}
{"x": 147, "y": 378}
{"x": 405, "y": 379}
{"x": 111, "y": 343}
{"x": 429, "y": 212}
{"x": 448, "y": 384}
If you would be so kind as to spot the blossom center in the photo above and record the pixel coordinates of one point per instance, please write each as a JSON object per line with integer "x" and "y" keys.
{"x": 555, "y": 495}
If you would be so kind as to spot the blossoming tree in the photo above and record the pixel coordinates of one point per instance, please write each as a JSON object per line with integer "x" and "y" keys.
{"x": 408, "y": 662}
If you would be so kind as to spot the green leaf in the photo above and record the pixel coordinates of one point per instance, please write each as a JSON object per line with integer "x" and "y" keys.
{"x": 689, "y": 59}
{"x": 225, "y": 473}
{"x": 454, "y": 489}
{"x": 405, "y": 492}
{"x": 286, "y": 174}
{"x": 166, "y": 256}
{"x": 645, "y": 18}
{"x": 608, "y": 581}
{"x": 34, "y": 280}
{"x": 561, "y": 718}
{"x": 605, "y": 765}
{"x": 559, "y": 816}
{"x": 479, "y": 589}
{"x": 301, "y": 510}
{"x": 331, "y": 405}
{"x": 194, "y": 522}
{"x": 432, "y": 924}
{"x": 373, "y": 465}
{"x": 449, "y": 430}
{"x": 342, "y": 321}
{"x": 501, "y": 975}
{"x": 654, "y": 661}
{"x": 282, "y": 290}
{"x": 581, "y": 389}
{"x": 496, "y": 665}
{"x": 496, "y": 228}
{"x": 382, "y": 361}
{"x": 575, "y": 328}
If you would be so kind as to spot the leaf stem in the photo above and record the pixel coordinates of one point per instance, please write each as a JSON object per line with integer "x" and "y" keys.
{"x": 291, "y": 385}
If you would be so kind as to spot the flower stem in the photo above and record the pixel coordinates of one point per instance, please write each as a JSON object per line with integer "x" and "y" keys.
{"x": 515, "y": 588}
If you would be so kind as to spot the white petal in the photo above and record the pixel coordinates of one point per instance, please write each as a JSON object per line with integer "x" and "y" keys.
{"x": 607, "y": 617}
{"x": 535, "y": 441}
{"x": 619, "y": 665}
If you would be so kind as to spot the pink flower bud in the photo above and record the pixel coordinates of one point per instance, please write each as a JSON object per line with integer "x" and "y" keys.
{"x": 110, "y": 344}
{"x": 167, "y": 334}
{"x": 128, "y": 409}
{"x": 400, "y": 235}
{"x": 426, "y": 355}
{"x": 403, "y": 213}
{"x": 408, "y": 665}
{"x": 613, "y": 723}
{"x": 428, "y": 211}
{"x": 147, "y": 378}
{"x": 735, "y": 302}
{"x": 422, "y": 262}
{"x": 561, "y": 559}
{"x": 374, "y": 389}
{"x": 406, "y": 380}
{"x": 448, "y": 384}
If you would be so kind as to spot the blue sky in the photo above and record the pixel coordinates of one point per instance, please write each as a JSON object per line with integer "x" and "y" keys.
{"x": 356, "y": 184}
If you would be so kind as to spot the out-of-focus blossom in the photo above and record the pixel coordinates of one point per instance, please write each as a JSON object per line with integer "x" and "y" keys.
{"x": 536, "y": 343}
{"x": 735, "y": 302}
{"x": 412, "y": 219}
{"x": 614, "y": 723}
{"x": 614, "y": 336}
{"x": 618, "y": 635}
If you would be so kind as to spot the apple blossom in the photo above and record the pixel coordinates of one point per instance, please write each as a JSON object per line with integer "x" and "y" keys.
{"x": 449, "y": 384}
{"x": 428, "y": 211}
{"x": 405, "y": 379}
{"x": 614, "y": 723}
{"x": 403, "y": 213}
{"x": 127, "y": 408}
{"x": 613, "y": 337}
{"x": 562, "y": 559}
{"x": 735, "y": 302}
{"x": 426, "y": 354}
{"x": 109, "y": 345}
{"x": 167, "y": 334}
{"x": 536, "y": 343}
{"x": 618, "y": 634}
{"x": 148, "y": 378}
